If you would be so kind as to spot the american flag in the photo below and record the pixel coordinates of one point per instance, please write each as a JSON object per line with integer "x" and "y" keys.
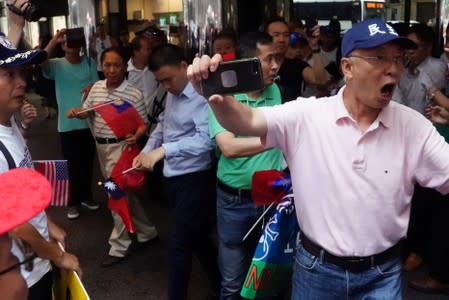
{"x": 57, "y": 173}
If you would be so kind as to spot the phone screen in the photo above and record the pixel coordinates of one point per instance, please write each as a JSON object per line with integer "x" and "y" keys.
{"x": 233, "y": 77}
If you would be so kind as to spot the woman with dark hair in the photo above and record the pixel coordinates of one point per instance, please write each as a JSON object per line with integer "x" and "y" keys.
{"x": 116, "y": 90}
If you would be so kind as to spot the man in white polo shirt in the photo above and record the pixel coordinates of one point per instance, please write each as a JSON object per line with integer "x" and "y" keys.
{"x": 138, "y": 73}
{"x": 354, "y": 160}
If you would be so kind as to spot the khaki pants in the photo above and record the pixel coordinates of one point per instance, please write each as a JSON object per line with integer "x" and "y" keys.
{"x": 119, "y": 240}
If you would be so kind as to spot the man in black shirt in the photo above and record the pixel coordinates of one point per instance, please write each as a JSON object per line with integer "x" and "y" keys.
{"x": 294, "y": 71}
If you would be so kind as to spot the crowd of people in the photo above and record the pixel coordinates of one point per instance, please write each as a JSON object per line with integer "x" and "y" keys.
{"x": 360, "y": 121}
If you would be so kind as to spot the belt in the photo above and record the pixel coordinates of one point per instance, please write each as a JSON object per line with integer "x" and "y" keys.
{"x": 238, "y": 192}
{"x": 351, "y": 263}
{"x": 101, "y": 140}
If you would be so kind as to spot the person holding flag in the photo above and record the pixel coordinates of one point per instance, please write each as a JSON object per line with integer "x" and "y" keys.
{"x": 181, "y": 140}
{"x": 240, "y": 157}
{"x": 354, "y": 159}
{"x": 117, "y": 113}
{"x": 39, "y": 232}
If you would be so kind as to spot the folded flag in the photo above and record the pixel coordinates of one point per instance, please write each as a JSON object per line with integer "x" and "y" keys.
{"x": 121, "y": 117}
{"x": 57, "y": 173}
{"x": 271, "y": 267}
{"x": 117, "y": 201}
{"x": 269, "y": 186}
{"x": 131, "y": 180}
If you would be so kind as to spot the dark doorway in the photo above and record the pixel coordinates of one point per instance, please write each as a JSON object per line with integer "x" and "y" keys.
{"x": 425, "y": 12}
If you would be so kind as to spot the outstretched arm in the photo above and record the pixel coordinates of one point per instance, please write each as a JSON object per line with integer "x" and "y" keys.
{"x": 16, "y": 21}
{"x": 233, "y": 115}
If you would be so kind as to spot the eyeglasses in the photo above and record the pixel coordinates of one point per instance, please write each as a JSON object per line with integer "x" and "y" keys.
{"x": 28, "y": 262}
{"x": 382, "y": 60}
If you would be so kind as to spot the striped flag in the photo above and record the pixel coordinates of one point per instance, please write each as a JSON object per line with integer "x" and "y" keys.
{"x": 57, "y": 173}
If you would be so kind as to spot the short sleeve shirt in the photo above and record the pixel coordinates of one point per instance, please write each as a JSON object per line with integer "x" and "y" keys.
{"x": 238, "y": 172}
{"x": 352, "y": 190}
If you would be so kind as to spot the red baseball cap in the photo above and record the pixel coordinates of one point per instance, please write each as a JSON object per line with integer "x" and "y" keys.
{"x": 24, "y": 194}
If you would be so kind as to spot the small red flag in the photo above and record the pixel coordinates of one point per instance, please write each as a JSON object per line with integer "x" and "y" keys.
{"x": 131, "y": 180}
{"x": 119, "y": 182}
{"x": 269, "y": 186}
{"x": 121, "y": 117}
{"x": 117, "y": 201}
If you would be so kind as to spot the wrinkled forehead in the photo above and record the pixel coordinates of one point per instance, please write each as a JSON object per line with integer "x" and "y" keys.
{"x": 387, "y": 48}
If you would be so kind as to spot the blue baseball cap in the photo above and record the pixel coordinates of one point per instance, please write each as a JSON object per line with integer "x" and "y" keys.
{"x": 10, "y": 56}
{"x": 372, "y": 33}
{"x": 295, "y": 37}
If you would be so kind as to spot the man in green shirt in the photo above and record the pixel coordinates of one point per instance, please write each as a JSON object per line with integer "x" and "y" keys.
{"x": 240, "y": 157}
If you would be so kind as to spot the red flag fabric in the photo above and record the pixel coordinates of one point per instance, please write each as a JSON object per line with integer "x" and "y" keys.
{"x": 119, "y": 182}
{"x": 57, "y": 173}
{"x": 121, "y": 117}
{"x": 269, "y": 186}
{"x": 131, "y": 180}
{"x": 117, "y": 201}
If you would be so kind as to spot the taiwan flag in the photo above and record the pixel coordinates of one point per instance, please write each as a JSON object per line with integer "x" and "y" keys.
{"x": 271, "y": 267}
{"x": 117, "y": 201}
{"x": 132, "y": 179}
{"x": 269, "y": 186}
{"x": 121, "y": 117}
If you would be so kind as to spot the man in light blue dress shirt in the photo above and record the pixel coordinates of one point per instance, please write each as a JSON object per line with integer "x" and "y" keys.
{"x": 181, "y": 139}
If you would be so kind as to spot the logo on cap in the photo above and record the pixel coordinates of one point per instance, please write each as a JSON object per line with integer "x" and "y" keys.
{"x": 6, "y": 43}
{"x": 374, "y": 29}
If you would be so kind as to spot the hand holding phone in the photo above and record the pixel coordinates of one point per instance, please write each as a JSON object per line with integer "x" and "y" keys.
{"x": 232, "y": 77}
{"x": 311, "y": 22}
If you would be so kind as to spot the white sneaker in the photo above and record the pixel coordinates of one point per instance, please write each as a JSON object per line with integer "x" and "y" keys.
{"x": 73, "y": 213}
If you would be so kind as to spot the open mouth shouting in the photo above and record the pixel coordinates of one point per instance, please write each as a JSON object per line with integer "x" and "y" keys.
{"x": 387, "y": 91}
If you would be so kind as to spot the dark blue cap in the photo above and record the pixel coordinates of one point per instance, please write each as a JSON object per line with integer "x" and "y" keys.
{"x": 329, "y": 29}
{"x": 372, "y": 33}
{"x": 10, "y": 56}
{"x": 295, "y": 38}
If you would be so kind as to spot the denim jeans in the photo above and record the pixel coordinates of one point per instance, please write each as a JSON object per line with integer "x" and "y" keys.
{"x": 235, "y": 216}
{"x": 315, "y": 279}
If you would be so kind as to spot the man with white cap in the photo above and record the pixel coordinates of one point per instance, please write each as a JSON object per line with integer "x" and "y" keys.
{"x": 354, "y": 158}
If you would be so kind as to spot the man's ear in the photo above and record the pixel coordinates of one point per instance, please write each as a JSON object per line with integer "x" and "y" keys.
{"x": 346, "y": 67}
{"x": 184, "y": 64}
